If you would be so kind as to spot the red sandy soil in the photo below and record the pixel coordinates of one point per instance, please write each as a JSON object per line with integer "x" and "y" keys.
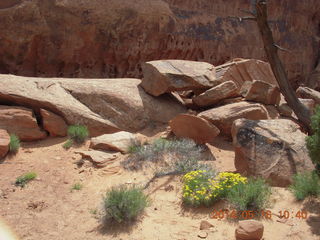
{"x": 48, "y": 209}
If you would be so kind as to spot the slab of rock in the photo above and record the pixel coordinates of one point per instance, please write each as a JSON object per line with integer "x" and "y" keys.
{"x": 216, "y": 94}
{"x": 249, "y": 230}
{"x": 193, "y": 127}
{"x": 53, "y": 123}
{"x": 286, "y": 111}
{"x": 4, "y": 143}
{"x": 164, "y": 76}
{"x": 272, "y": 149}
{"x": 305, "y": 92}
{"x": 99, "y": 158}
{"x": 103, "y": 105}
{"x": 242, "y": 70}
{"x": 223, "y": 116}
{"x": 262, "y": 92}
{"x": 120, "y": 141}
{"x": 20, "y": 121}
{"x": 204, "y": 225}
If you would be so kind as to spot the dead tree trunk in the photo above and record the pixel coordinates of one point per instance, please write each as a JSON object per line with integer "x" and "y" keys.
{"x": 271, "y": 50}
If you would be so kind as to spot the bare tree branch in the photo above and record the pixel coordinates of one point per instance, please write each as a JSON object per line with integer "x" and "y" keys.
{"x": 280, "y": 74}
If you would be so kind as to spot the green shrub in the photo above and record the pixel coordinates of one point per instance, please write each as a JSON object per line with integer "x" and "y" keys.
{"x": 78, "y": 133}
{"x": 305, "y": 184}
{"x": 77, "y": 186}
{"x": 14, "y": 144}
{"x": 24, "y": 179}
{"x": 204, "y": 187}
{"x": 253, "y": 195}
{"x": 68, "y": 144}
{"x": 313, "y": 141}
{"x": 125, "y": 203}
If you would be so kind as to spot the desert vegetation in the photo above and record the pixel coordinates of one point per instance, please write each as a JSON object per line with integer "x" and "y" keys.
{"x": 77, "y": 134}
{"x": 22, "y": 180}
{"x": 125, "y": 203}
{"x": 14, "y": 144}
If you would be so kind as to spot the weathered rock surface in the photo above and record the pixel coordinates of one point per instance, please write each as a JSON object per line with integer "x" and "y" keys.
{"x": 262, "y": 92}
{"x": 223, "y": 116}
{"x": 53, "y": 123}
{"x": 120, "y": 141}
{"x": 242, "y": 70}
{"x": 99, "y": 158}
{"x": 204, "y": 225}
{"x": 305, "y": 92}
{"x": 110, "y": 38}
{"x": 249, "y": 230}
{"x": 193, "y": 127}
{"x": 216, "y": 94}
{"x": 103, "y": 105}
{"x": 4, "y": 143}
{"x": 272, "y": 149}
{"x": 20, "y": 121}
{"x": 165, "y": 76}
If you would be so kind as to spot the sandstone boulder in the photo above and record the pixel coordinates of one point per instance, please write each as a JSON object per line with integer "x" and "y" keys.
{"x": 272, "y": 149}
{"x": 99, "y": 158}
{"x": 193, "y": 127}
{"x": 20, "y": 121}
{"x": 241, "y": 70}
{"x": 249, "y": 230}
{"x": 165, "y": 76}
{"x": 216, "y": 94}
{"x": 4, "y": 143}
{"x": 309, "y": 93}
{"x": 53, "y": 123}
{"x": 223, "y": 116}
{"x": 262, "y": 92}
{"x": 120, "y": 141}
{"x": 103, "y": 105}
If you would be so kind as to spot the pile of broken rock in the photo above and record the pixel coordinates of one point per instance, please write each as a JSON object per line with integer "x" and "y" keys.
{"x": 239, "y": 99}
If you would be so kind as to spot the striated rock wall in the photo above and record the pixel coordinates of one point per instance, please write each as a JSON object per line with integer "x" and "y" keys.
{"x": 110, "y": 38}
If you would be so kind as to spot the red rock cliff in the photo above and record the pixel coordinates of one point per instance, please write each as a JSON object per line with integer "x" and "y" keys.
{"x": 109, "y": 38}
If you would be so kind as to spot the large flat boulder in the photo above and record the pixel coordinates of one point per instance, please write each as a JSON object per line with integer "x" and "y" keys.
{"x": 164, "y": 76}
{"x": 120, "y": 142}
{"x": 103, "y": 105}
{"x": 272, "y": 149}
{"x": 241, "y": 70}
{"x": 223, "y": 116}
{"x": 309, "y": 93}
{"x": 4, "y": 143}
{"x": 216, "y": 94}
{"x": 20, "y": 121}
{"x": 262, "y": 92}
{"x": 193, "y": 127}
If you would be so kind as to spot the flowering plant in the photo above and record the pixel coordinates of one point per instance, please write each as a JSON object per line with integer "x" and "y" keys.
{"x": 202, "y": 187}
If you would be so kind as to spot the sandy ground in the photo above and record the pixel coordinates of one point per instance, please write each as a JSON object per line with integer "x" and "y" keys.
{"x": 48, "y": 209}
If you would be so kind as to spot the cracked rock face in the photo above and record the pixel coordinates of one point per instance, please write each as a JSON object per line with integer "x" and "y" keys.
{"x": 111, "y": 38}
{"x": 21, "y": 122}
{"x": 272, "y": 149}
{"x": 103, "y": 105}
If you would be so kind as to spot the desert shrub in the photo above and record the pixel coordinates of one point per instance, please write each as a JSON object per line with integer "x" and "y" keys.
{"x": 78, "y": 133}
{"x": 305, "y": 184}
{"x": 251, "y": 195}
{"x": 68, "y": 144}
{"x": 14, "y": 144}
{"x": 313, "y": 141}
{"x": 24, "y": 179}
{"x": 125, "y": 203}
{"x": 204, "y": 187}
{"x": 183, "y": 154}
{"x": 77, "y": 186}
